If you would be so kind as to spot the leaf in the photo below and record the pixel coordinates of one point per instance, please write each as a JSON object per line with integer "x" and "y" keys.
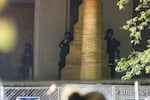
{"x": 147, "y": 69}
{"x": 138, "y": 35}
{"x": 148, "y": 41}
{"x": 125, "y": 27}
{"x": 129, "y": 22}
{"x": 132, "y": 41}
{"x": 132, "y": 29}
{"x": 140, "y": 27}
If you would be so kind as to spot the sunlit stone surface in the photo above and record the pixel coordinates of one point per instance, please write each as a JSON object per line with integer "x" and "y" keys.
{"x": 87, "y": 58}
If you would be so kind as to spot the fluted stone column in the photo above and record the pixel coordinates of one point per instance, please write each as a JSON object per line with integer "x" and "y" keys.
{"x": 87, "y": 58}
{"x": 92, "y": 41}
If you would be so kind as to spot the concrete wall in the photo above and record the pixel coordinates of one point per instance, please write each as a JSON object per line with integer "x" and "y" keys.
{"x": 50, "y": 19}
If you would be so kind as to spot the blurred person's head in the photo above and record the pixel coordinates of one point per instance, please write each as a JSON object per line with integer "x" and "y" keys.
{"x": 72, "y": 92}
{"x": 94, "y": 96}
{"x": 76, "y": 96}
{"x": 89, "y": 96}
{"x": 69, "y": 91}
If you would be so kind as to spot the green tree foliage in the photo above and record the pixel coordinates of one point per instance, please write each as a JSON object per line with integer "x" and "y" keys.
{"x": 137, "y": 62}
